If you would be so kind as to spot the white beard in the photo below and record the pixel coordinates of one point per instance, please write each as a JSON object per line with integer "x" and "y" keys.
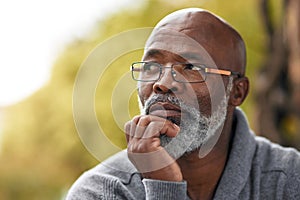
{"x": 196, "y": 129}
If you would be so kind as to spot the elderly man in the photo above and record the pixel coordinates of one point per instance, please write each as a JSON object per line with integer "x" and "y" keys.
{"x": 191, "y": 140}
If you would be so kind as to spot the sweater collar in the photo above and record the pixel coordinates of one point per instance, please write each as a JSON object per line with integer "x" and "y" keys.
{"x": 239, "y": 163}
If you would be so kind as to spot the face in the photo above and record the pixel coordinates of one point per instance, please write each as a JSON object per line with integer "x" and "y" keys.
{"x": 186, "y": 104}
{"x": 167, "y": 47}
{"x": 199, "y": 108}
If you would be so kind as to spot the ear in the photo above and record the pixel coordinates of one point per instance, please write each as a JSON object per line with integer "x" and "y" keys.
{"x": 239, "y": 91}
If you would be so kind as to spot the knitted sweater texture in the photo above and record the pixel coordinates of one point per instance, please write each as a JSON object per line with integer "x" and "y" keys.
{"x": 256, "y": 169}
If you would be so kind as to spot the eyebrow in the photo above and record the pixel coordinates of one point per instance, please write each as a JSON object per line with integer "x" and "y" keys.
{"x": 152, "y": 53}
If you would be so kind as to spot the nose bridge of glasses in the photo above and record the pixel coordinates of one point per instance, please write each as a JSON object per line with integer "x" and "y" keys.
{"x": 166, "y": 66}
{"x": 167, "y": 70}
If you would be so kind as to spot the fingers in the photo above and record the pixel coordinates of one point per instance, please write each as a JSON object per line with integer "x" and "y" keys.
{"x": 127, "y": 130}
{"x": 148, "y": 126}
{"x": 130, "y": 128}
{"x": 144, "y": 149}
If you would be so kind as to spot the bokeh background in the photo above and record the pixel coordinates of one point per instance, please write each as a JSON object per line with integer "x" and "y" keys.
{"x": 41, "y": 153}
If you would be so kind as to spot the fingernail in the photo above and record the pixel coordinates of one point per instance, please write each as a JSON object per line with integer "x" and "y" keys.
{"x": 176, "y": 127}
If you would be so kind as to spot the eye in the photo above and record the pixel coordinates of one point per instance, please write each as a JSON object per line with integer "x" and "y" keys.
{"x": 192, "y": 67}
{"x": 147, "y": 66}
{"x": 150, "y": 67}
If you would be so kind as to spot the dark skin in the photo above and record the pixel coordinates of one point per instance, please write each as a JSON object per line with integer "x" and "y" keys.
{"x": 226, "y": 49}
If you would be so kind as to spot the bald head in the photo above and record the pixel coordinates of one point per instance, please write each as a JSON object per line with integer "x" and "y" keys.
{"x": 218, "y": 44}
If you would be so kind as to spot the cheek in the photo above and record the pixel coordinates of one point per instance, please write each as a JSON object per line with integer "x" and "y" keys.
{"x": 209, "y": 99}
{"x": 204, "y": 101}
{"x": 144, "y": 91}
{"x": 198, "y": 96}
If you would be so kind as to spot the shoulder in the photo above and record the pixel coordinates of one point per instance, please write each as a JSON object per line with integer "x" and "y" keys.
{"x": 268, "y": 156}
{"x": 279, "y": 168}
{"x": 272, "y": 156}
{"x": 112, "y": 179}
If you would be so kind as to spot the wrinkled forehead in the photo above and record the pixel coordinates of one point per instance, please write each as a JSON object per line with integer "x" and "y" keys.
{"x": 179, "y": 44}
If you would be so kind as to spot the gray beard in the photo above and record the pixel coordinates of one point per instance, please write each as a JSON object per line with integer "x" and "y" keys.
{"x": 195, "y": 129}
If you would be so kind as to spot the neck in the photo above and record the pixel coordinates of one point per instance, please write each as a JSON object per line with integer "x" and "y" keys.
{"x": 203, "y": 174}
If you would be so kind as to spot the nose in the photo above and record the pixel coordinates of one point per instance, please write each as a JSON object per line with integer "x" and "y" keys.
{"x": 166, "y": 83}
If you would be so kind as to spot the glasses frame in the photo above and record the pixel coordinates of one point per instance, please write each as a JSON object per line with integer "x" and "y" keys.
{"x": 206, "y": 70}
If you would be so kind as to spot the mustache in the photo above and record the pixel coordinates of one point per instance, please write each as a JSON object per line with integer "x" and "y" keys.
{"x": 161, "y": 98}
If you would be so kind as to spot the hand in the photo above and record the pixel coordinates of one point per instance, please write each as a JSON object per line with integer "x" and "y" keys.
{"x": 145, "y": 151}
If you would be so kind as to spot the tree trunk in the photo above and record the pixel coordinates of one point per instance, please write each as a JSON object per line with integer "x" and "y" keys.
{"x": 277, "y": 88}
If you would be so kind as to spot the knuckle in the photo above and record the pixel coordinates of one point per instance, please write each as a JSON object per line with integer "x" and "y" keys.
{"x": 135, "y": 119}
{"x": 127, "y": 126}
{"x": 153, "y": 129}
{"x": 130, "y": 146}
{"x": 144, "y": 118}
{"x": 139, "y": 146}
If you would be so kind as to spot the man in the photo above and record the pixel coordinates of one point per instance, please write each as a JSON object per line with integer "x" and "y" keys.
{"x": 191, "y": 140}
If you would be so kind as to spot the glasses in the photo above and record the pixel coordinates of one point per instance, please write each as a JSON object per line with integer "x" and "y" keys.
{"x": 181, "y": 72}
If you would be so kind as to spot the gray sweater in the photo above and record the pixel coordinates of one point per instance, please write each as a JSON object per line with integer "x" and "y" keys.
{"x": 256, "y": 169}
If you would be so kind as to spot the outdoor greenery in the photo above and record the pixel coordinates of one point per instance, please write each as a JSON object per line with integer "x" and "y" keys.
{"x": 42, "y": 154}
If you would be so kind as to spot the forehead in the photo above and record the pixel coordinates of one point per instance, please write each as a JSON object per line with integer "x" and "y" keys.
{"x": 177, "y": 43}
{"x": 198, "y": 32}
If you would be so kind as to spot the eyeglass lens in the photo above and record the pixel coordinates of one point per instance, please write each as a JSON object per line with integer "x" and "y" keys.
{"x": 181, "y": 72}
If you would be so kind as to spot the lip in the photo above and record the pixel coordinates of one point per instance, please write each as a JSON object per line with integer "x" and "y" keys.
{"x": 165, "y": 110}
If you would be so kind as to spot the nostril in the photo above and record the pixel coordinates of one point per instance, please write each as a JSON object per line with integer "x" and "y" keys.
{"x": 159, "y": 88}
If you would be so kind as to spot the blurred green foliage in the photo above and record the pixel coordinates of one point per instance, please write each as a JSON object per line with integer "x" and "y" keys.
{"x": 42, "y": 154}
